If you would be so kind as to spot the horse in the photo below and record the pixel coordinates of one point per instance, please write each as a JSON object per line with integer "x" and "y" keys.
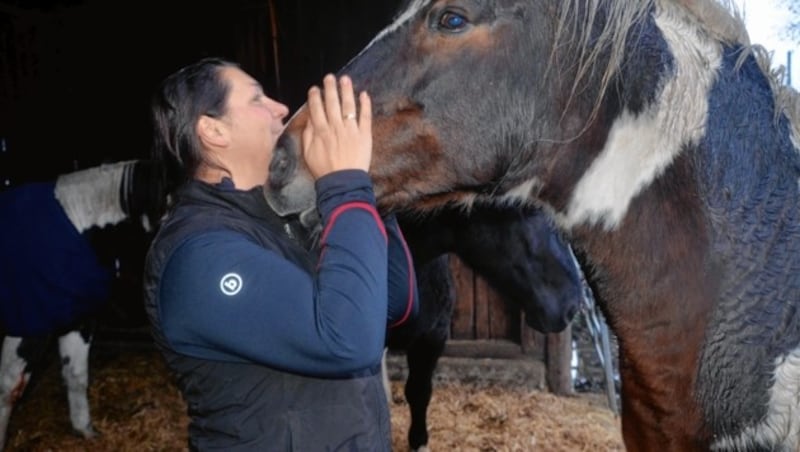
{"x": 53, "y": 277}
{"x": 521, "y": 256}
{"x": 665, "y": 147}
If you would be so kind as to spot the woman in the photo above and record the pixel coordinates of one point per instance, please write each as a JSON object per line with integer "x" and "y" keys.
{"x": 273, "y": 348}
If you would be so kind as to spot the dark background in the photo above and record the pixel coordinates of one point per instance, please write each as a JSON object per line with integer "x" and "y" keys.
{"x": 76, "y": 75}
{"x": 76, "y": 78}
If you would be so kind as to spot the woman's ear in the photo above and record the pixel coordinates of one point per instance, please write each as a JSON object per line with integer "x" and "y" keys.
{"x": 212, "y": 132}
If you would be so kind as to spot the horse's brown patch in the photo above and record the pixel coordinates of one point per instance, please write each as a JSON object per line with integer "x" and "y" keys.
{"x": 661, "y": 336}
{"x": 479, "y": 38}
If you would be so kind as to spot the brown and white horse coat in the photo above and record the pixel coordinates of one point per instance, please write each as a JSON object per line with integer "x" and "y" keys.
{"x": 664, "y": 148}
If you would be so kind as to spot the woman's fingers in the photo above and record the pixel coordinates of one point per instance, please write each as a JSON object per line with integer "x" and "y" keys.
{"x": 308, "y": 135}
{"x": 348, "y": 100}
{"x": 332, "y": 107}
{"x": 316, "y": 109}
{"x": 365, "y": 115}
{"x": 338, "y": 135}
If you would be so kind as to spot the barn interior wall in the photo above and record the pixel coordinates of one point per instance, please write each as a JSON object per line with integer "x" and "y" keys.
{"x": 77, "y": 75}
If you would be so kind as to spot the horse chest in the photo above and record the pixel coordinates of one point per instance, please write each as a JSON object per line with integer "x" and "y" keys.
{"x": 749, "y": 373}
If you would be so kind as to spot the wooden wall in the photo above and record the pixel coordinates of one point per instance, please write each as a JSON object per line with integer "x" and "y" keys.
{"x": 485, "y": 326}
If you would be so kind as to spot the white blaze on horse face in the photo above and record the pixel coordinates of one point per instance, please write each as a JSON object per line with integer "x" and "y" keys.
{"x": 403, "y": 18}
{"x": 409, "y": 13}
{"x": 406, "y": 16}
{"x": 780, "y": 428}
{"x": 91, "y": 197}
{"x": 640, "y": 147}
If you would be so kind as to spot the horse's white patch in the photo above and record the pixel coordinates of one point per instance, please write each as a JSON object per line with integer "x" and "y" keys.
{"x": 12, "y": 381}
{"x": 522, "y": 191}
{"x": 230, "y": 284}
{"x": 641, "y": 147}
{"x": 74, "y": 352}
{"x": 780, "y": 429}
{"x": 387, "y": 384}
{"x": 406, "y": 16}
{"x": 91, "y": 197}
{"x": 795, "y": 140}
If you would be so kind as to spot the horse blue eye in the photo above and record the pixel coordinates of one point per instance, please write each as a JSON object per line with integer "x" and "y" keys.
{"x": 452, "y": 21}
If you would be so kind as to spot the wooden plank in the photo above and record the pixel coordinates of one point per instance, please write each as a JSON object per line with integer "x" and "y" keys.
{"x": 483, "y": 348}
{"x": 500, "y": 315}
{"x": 482, "y": 309}
{"x": 533, "y": 343}
{"x": 559, "y": 359}
{"x": 462, "y": 325}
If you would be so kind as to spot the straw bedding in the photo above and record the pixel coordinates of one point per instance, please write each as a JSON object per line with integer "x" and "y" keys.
{"x": 136, "y": 407}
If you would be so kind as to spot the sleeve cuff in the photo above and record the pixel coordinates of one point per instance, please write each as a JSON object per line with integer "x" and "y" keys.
{"x": 343, "y": 186}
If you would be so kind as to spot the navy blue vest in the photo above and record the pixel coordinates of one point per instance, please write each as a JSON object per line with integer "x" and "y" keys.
{"x": 241, "y": 406}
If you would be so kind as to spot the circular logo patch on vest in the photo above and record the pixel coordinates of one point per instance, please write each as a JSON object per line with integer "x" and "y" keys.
{"x": 230, "y": 284}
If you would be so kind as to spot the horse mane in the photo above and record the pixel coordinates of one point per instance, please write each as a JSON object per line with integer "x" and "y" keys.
{"x": 724, "y": 21}
{"x": 92, "y": 197}
{"x": 719, "y": 19}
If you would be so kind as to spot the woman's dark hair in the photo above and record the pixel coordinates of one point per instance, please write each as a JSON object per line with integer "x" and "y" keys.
{"x": 181, "y": 99}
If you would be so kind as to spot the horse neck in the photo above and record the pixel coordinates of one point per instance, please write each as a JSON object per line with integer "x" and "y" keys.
{"x": 692, "y": 188}
{"x": 658, "y": 106}
{"x": 428, "y": 237}
{"x": 633, "y": 208}
{"x": 92, "y": 197}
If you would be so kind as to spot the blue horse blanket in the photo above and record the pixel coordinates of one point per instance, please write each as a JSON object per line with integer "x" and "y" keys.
{"x": 49, "y": 275}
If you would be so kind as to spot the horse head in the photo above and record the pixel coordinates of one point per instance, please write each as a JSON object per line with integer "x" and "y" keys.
{"x": 461, "y": 96}
{"x": 144, "y": 193}
{"x": 517, "y": 250}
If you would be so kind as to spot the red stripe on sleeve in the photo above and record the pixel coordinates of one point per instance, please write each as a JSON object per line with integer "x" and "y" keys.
{"x": 412, "y": 281}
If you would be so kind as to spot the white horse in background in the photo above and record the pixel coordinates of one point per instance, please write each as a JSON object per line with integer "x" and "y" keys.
{"x": 51, "y": 279}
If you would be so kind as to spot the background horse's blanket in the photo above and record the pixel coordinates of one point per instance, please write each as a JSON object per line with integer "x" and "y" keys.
{"x": 49, "y": 274}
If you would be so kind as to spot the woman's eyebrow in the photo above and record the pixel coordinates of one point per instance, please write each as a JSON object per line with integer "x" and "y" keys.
{"x": 257, "y": 86}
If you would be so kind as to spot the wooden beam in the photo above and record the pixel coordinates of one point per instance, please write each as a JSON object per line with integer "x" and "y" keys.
{"x": 462, "y": 324}
{"x": 559, "y": 362}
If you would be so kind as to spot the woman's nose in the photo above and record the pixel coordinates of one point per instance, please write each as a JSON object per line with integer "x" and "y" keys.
{"x": 279, "y": 110}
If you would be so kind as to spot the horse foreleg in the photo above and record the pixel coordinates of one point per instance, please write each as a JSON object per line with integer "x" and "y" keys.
{"x": 422, "y": 356}
{"x": 73, "y": 348}
{"x": 13, "y": 380}
{"x": 387, "y": 384}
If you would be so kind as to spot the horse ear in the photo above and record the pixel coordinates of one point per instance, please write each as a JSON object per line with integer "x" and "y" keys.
{"x": 212, "y": 132}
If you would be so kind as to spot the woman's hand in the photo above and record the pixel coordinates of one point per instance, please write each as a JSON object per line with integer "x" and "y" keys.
{"x": 335, "y": 138}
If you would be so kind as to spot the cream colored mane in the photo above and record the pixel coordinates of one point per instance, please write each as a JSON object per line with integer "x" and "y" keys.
{"x": 720, "y": 19}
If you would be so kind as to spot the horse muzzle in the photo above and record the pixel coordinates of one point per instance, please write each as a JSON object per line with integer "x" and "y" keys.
{"x": 290, "y": 187}
{"x": 553, "y": 317}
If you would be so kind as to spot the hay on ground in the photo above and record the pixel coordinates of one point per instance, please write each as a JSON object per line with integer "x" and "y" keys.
{"x": 136, "y": 407}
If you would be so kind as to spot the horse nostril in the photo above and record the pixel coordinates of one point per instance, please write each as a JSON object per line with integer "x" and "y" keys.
{"x": 280, "y": 168}
{"x": 571, "y": 312}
